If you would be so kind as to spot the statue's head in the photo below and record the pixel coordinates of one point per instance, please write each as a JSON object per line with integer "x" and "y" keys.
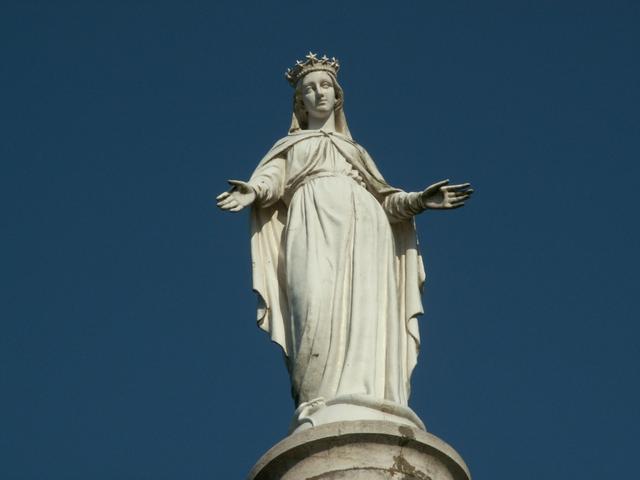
{"x": 317, "y": 95}
{"x": 317, "y": 92}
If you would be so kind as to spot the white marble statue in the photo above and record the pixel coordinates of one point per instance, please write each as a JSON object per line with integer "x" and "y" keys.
{"x": 335, "y": 260}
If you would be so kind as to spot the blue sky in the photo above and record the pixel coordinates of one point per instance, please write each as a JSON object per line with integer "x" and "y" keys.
{"x": 128, "y": 345}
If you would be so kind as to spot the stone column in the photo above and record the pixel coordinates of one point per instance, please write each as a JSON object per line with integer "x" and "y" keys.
{"x": 361, "y": 450}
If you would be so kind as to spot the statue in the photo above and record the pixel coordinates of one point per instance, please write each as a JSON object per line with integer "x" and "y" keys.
{"x": 335, "y": 260}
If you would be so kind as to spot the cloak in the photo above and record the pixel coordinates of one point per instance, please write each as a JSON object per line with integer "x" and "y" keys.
{"x": 267, "y": 252}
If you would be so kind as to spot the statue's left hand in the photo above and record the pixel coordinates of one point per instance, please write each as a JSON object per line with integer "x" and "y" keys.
{"x": 441, "y": 195}
{"x": 240, "y": 195}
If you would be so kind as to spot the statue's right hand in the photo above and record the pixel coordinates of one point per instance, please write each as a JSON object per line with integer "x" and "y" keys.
{"x": 239, "y": 196}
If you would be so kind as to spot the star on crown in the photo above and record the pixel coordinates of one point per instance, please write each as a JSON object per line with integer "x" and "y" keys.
{"x": 311, "y": 64}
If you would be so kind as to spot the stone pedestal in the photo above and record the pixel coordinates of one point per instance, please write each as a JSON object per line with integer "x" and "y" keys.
{"x": 361, "y": 450}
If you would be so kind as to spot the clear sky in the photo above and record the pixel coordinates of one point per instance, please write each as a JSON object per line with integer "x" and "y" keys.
{"x": 128, "y": 345}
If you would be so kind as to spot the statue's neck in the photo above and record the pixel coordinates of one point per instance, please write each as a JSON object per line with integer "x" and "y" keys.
{"x": 327, "y": 124}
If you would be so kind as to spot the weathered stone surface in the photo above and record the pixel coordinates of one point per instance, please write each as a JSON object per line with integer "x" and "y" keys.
{"x": 361, "y": 450}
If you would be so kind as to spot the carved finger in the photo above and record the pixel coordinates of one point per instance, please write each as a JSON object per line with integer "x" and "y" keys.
{"x": 460, "y": 186}
{"x": 222, "y": 196}
{"x": 228, "y": 202}
{"x": 438, "y": 185}
{"x": 225, "y": 200}
{"x": 237, "y": 208}
{"x": 230, "y": 206}
{"x": 458, "y": 198}
{"x": 461, "y": 196}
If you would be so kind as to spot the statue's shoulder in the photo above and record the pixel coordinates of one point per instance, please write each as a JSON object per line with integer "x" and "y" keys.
{"x": 282, "y": 145}
{"x": 361, "y": 150}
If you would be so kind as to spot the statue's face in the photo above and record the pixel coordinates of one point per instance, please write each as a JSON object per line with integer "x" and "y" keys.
{"x": 318, "y": 94}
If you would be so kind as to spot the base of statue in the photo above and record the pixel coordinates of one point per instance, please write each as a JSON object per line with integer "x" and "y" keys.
{"x": 361, "y": 450}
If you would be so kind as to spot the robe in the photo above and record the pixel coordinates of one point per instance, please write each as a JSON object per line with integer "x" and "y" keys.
{"x": 336, "y": 268}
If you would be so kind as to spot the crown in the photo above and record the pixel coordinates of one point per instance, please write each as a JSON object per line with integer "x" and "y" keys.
{"x": 311, "y": 64}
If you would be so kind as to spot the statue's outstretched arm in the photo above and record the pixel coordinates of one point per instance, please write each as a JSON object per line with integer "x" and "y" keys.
{"x": 439, "y": 196}
{"x": 265, "y": 187}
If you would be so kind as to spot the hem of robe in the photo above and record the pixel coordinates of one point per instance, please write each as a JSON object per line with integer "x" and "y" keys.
{"x": 352, "y": 407}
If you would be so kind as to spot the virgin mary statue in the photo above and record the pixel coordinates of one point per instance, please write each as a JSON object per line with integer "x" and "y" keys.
{"x": 335, "y": 260}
